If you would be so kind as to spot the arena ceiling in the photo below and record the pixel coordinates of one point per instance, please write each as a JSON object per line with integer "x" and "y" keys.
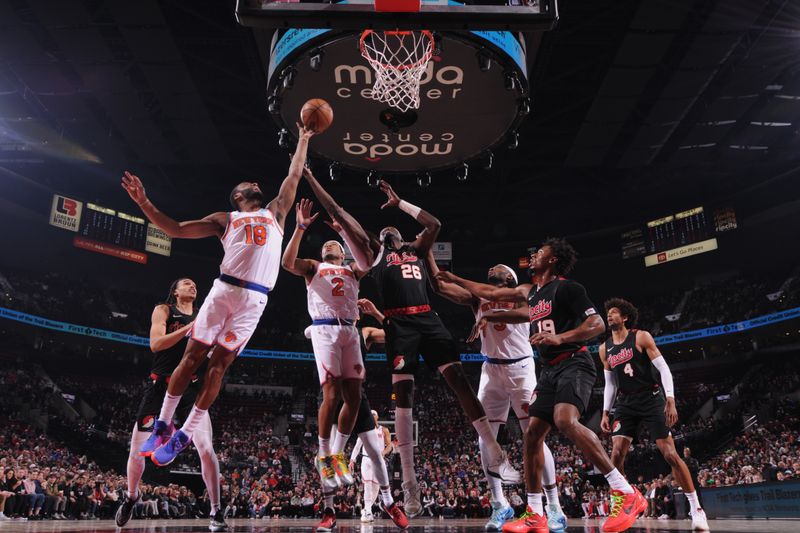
{"x": 639, "y": 109}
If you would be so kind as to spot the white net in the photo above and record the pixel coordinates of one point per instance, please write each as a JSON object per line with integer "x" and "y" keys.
{"x": 399, "y": 59}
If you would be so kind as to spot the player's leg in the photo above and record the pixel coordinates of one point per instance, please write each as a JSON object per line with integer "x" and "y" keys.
{"x": 352, "y": 372}
{"x": 209, "y": 469}
{"x": 619, "y": 451}
{"x": 134, "y": 472}
{"x": 680, "y": 472}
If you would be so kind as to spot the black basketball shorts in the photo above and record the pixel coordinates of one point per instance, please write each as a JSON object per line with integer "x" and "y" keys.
{"x": 153, "y": 397}
{"x": 569, "y": 381}
{"x": 409, "y": 336}
{"x": 645, "y": 408}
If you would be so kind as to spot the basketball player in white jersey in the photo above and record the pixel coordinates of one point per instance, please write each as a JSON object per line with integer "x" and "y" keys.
{"x": 251, "y": 237}
{"x": 380, "y": 438}
{"x": 508, "y": 379}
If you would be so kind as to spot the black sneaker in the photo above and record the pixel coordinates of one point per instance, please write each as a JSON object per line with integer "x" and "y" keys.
{"x": 218, "y": 522}
{"x": 125, "y": 511}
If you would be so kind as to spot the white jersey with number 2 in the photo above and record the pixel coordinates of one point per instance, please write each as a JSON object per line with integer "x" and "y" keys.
{"x": 252, "y": 244}
{"x": 333, "y": 293}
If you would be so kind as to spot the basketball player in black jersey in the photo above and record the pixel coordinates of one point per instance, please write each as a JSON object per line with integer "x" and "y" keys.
{"x": 170, "y": 323}
{"x": 629, "y": 356}
{"x": 562, "y": 320}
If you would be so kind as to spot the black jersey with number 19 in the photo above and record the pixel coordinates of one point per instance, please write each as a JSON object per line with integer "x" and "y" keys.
{"x": 402, "y": 278}
{"x": 558, "y": 306}
{"x": 632, "y": 367}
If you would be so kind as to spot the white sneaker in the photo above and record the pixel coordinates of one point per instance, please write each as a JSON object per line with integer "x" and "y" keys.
{"x": 3, "y": 516}
{"x": 500, "y": 467}
{"x": 663, "y": 517}
{"x": 699, "y": 520}
{"x": 411, "y": 499}
{"x": 367, "y": 517}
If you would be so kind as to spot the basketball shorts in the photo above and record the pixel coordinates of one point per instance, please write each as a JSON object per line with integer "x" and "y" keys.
{"x": 504, "y": 386}
{"x": 150, "y": 406}
{"x": 229, "y": 316}
{"x": 337, "y": 352}
{"x": 364, "y": 420}
{"x": 570, "y": 381}
{"x": 368, "y": 470}
{"x": 409, "y": 336}
{"x": 642, "y": 409}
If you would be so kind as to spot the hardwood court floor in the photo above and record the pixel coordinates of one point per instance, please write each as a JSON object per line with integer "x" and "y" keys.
{"x": 379, "y": 526}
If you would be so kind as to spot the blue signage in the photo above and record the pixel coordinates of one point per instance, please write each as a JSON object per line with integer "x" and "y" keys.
{"x": 760, "y": 500}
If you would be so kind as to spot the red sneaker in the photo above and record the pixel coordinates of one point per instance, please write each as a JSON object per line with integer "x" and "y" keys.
{"x": 328, "y": 522}
{"x": 529, "y": 522}
{"x": 397, "y": 514}
{"x": 625, "y": 509}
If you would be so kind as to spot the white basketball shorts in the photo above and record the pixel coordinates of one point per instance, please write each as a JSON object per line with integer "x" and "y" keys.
{"x": 229, "y": 316}
{"x": 337, "y": 351}
{"x": 504, "y": 386}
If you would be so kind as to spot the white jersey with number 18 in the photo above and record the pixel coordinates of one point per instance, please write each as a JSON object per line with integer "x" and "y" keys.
{"x": 252, "y": 244}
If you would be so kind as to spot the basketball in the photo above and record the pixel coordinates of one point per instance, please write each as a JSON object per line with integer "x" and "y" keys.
{"x": 316, "y": 115}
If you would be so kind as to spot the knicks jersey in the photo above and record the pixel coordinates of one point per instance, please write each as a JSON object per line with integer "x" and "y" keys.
{"x": 252, "y": 244}
{"x": 499, "y": 340}
{"x": 376, "y": 435}
{"x": 333, "y": 293}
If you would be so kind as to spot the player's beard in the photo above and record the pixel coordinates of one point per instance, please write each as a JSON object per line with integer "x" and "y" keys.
{"x": 495, "y": 280}
{"x": 330, "y": 258}
{"x": 252, "y": 194}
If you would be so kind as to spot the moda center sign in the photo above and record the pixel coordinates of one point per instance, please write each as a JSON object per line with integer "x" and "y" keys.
{"x": 466, "y": 108}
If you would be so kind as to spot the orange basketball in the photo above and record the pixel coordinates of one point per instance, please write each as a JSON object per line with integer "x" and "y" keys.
{"x": 316, "y": 115}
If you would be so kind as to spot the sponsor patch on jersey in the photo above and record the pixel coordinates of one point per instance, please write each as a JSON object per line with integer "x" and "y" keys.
{"x": 230, "y": 337}
{"x": 147, "y": 422}
{"x": 399, "y": 362}
{"x": 589, "y": 312}
{"x": 500, "y": 327}
{"x": 616, "y": 427}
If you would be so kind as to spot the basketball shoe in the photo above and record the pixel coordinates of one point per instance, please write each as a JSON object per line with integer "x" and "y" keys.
{"x": 625, "y": 509}
{"x": 499, "y": 467}
{"x": 169, "y": 451}
{"x": 529, "y": 522}
{"x": 158, "y": 437}
{"x": 411, "y": 498}
{"x": 556, "y": 520}
{"x": 699, "y": 520}
{"x": 125, "y": 510}
{"x": 500, "y": 515}
{"x": 341, "y": 468}
{"x": 328, "y": 522}
{"x": 217, "y": 523}
{"x": 397, "y": 515}
{"x": 327, "y": 473}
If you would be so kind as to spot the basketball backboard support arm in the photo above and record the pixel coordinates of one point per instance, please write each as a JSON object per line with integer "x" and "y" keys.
{"x": 531, "y": 16}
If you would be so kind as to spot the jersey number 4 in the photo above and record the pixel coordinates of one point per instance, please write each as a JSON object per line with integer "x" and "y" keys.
{"x": 255, "y": 234}
{"x": 338, "y": 284}
{"x": 410, "y": 272}
{"x": 628, "y": 369}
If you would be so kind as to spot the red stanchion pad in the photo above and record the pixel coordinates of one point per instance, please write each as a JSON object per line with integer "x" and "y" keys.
{"x": 398, "y": 6}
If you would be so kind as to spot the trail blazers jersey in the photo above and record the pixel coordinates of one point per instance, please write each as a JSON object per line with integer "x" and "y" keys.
{"x": 402, "y": 278}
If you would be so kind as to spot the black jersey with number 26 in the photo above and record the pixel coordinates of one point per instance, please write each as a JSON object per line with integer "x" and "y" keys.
{"x": 165, "y": 361}
{"x": 402, "y": 278}
{"x": 632, "y": 367}
{"x": 558, "y": 306}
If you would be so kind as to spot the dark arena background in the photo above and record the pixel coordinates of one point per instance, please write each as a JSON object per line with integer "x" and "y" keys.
{"x": 658, "y": 137}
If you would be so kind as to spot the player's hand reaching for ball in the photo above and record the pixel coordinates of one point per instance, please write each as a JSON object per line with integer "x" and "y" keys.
{"x": 302, "y": 213}
{"x": 133, "y": 185}
{"x": 671, "y": 412}
{"x": 546, "y": 339}
{"x": 335, "y": 226}
{"x": 605, "y": 424}
{"x": 477, "y": 328}
{"x": 304, "y": 133}
{"x": 392, "y": 199}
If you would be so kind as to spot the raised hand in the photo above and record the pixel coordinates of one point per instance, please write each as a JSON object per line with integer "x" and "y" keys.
{"x": 302, "y": 213}
{"x": 392, "y": 199}
{"x": 445, "y": 275}
{"x": 367, "y": 307}
{"x": 335, "y": 226}
{"x": 133, "y": 185}
{"x": 303, "y": 132}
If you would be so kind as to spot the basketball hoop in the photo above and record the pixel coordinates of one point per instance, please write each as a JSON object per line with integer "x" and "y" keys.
{"x": 399, "y": 59}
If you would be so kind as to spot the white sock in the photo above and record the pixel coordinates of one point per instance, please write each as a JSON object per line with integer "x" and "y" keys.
{"x": 694, "y": 501}
{"x": 404, "y": 427}
{"x": 496, "y": 486}
{"x": 386, "y": 496}
{"x": 618, "y": 482}
{"x": 552, "y": 496}
{"x": 328, "y": 499}
{"x": 535, "y": 503}
{"x": 339, "y": 442}
{"x": 168, "y": 407}
{"x": 370, "y": 490}
{"x": 324, "y": 447}
{"x": 484, "y": 429}
{"x": 196, "y": 416}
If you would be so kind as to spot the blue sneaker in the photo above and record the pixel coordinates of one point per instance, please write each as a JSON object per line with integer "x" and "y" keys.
{"x": 160, "y": 434}
{"x": 169, "y": 451}
{"x": 500, "y": 515}
{"x": 556, "y": 521}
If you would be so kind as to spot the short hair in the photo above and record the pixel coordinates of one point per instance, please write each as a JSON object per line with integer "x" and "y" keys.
{"x": 564, "y": 252}
{"x": 232, "y": 200}
{"x": 625, "y": 309}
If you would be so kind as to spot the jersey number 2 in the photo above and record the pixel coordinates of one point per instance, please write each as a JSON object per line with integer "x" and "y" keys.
{"x": 410, "y": 272}
{"x": 338, "y": 283}
{"x": 255, "y": 234}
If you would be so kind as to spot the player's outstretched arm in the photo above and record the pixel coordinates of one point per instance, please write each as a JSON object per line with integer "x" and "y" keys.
{"x": 159, "y": 338}
{"x": 305, "y": 268}
{"x": 432, "y": 225}
{"x": 211, "y": 226}
{"x": 281, "y": 204}
{"x": 451, "y": 291}
{"x": 486, "y": 291}
{"x": 351, "y": 231}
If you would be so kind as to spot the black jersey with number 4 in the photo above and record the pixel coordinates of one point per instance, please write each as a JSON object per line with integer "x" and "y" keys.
{"x": 402, "y": 278}
{"x": 558, "y": 306}
{"x": 632, "y": 367}
{"x": 165, "y": 361}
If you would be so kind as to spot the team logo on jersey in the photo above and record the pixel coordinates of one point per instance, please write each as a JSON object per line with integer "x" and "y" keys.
{"x": 147, "y": 422}
{"x": 230, "y": 337}
{"x": 399, "y": 362}
{"x": 500, "y": 327}
{"x": 616, "y": 427}
{"x": 541, "y": 310}
{"x": 623, "y": 356}
{"x": 358, "y": 369}
{"x": 394, "y": 258}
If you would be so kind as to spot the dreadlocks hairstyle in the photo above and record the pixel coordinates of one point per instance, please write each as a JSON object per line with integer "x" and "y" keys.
{"x": 564, "y": 252}
{"x": 626, "y": 309}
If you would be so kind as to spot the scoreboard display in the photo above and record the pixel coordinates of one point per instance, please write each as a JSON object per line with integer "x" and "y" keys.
{"x": 107, "y": 231}
{"x": 678, "y": 235}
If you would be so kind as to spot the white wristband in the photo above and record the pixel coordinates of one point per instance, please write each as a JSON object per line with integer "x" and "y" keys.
{"x": 411, "y": 209}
